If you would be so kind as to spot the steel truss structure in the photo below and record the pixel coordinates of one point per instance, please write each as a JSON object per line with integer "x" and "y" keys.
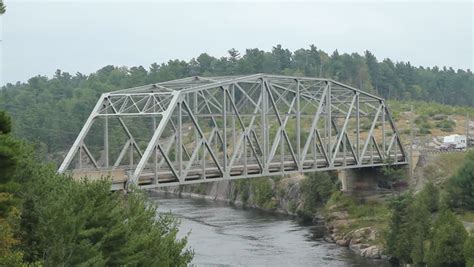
{"x": 213, "y": 128}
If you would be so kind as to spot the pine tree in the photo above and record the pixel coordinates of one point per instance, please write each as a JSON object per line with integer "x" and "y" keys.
{"x": 447, "y": 243}
{"x": 469, "y": 250}
{"x": 420, "y": 221}
{"x": 461, "y": 186}
{"x": 2, "y": 8}
{"x": 399, "y": 236}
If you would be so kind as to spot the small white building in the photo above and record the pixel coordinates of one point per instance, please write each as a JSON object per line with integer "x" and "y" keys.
{"x": 455, "y": 141}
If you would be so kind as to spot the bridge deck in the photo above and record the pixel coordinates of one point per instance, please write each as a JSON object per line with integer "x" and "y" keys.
{"x": 196, "y": 174}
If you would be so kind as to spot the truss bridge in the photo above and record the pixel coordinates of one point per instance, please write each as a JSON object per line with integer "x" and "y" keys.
{"x": 202, "y": 129}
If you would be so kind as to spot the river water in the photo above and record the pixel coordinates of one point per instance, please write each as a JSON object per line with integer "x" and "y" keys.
{"x": 222, "y": 235}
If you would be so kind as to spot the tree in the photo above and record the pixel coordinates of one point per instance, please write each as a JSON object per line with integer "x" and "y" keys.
{"x": 317, "y": 188}
{"x": 419, "y": 224}
{"x": 2, "y": 8}
{"x": 374, "y": 69}
{"x": 398, "y": 239}
{"x": 447, "y": 244}
{"x": 9, "y": 158}
{"x": 61, "y": 104}
{"x": 460, "y": 188}
{"x": 430, "y": 196}
{"x": 469, "y": 250}
{"x": 233, "y": 55}
{"x": 66, "y": 222}
{"x": 391, "y": 174}
{"x": 9, "y": 150}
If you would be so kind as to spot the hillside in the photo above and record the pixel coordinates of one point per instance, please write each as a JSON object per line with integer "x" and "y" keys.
{"x": 51, "y": 111}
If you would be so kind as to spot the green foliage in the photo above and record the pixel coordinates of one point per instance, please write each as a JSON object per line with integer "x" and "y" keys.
{"x": 263, "y": 193}
{"x": 45, "y": 107}
{"x": 317, "y": 188}
{"x": 361, "y": 213}
{"x": 430, "y": 197}
{"x": 409, "y": 228}
{"x": 447, "y": 244}
{"x": 460, "y": 188}
{"x": 469, "y": 250}
{"x": 398, "y": 238}
{"x": 50, "y": 219}
{"x": 446, "y": 125}
{"x": 419, "y": 223}
{"x": 391, "y": 174}
{"x": 10, "y": 155}
{"x": 5, "y": 123}
{"x": 292, "y": 206}
{"x": 410, "y": 239}
{"x": 424, "y": 125}
{"x": 65, "y": 222}
{"x": 243, "y": 187}
{"x": 2, "y": 8}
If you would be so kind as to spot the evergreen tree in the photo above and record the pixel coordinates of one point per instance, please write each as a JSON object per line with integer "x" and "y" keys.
{"x": 461, "y": 187}
{"x": 2, "y": 8}
{"x": 469, "y": 250}
{"x": 9, "y": 158}
{"x": 399, "y": 236}
{"x": 430, "y": 196}
{"x": 81, "y": 223}
{"x": 419, "y": 229}
{"x": 447, "y": 243}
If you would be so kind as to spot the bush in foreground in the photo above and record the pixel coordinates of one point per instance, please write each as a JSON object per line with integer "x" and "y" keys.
{"x": 68, "y": 223}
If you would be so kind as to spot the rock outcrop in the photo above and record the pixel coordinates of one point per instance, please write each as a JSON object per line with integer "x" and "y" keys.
{"x": 360, "y": 241}
{"x": 287, "y": 198}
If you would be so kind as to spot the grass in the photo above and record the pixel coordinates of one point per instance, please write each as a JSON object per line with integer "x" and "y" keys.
{"x": 431, "y": 119}
{"x": 445, "y": 166}
{"x": 361, "y": 213}
{"x": 467, "y": 216}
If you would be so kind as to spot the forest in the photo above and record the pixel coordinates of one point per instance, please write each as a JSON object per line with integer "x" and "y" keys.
{"x": 51, "y": 111}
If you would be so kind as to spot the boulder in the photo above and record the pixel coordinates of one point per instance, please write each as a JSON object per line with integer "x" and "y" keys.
{"x": 358, "y": 248}
{"x": 372, "y": 252}
{"x": 343, "y": 242}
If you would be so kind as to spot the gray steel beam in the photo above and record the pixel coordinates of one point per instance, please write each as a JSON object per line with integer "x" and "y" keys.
{"x": 239, "y": 127}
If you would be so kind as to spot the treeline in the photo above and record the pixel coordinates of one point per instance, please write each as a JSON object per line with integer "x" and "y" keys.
{"x": 52, "y": 110}
{"x": 424, "y": 230}
{"x": 48, "y": 219}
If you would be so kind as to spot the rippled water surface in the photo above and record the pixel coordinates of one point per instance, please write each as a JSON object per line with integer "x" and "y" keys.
{"x": 222, "y": 235}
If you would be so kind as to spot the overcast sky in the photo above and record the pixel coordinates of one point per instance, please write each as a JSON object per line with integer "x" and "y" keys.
{"x": 83, "y": 36}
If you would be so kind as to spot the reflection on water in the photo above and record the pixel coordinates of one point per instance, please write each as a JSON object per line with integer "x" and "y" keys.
{"x": 222, "y": 235}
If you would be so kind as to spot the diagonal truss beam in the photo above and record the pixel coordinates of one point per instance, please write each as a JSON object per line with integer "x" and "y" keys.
{"x": 213, "y": 128}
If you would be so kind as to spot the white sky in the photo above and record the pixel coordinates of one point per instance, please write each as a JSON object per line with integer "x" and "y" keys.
{"x": 39, "y": 37}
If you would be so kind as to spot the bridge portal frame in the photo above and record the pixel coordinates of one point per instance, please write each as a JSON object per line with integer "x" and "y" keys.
{"x": 242, "y": 127}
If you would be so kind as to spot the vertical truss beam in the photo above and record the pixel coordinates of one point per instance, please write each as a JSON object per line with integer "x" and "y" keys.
{"x": 226, "y": 128}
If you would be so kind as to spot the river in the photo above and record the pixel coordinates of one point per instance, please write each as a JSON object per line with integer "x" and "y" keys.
{"x": 223, "y": 235}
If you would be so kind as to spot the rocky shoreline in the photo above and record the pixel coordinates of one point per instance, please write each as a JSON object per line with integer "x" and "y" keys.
{"x": 360, "y": 241}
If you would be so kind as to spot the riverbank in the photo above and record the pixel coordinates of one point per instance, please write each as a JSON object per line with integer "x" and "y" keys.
{"x": 225, "y": 235}
{"x": 284, "y": 195}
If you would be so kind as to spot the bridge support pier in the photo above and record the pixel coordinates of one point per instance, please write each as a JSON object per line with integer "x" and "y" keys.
{"x": 363, "y": 179}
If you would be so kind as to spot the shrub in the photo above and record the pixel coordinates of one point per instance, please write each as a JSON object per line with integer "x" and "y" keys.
{"x": 446, "y": 125}
{"x": 317, "y": 189}
{"x": 424, "y": 131}
{"x": 263, "y": 192}
{"x": 243, "y": 189}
